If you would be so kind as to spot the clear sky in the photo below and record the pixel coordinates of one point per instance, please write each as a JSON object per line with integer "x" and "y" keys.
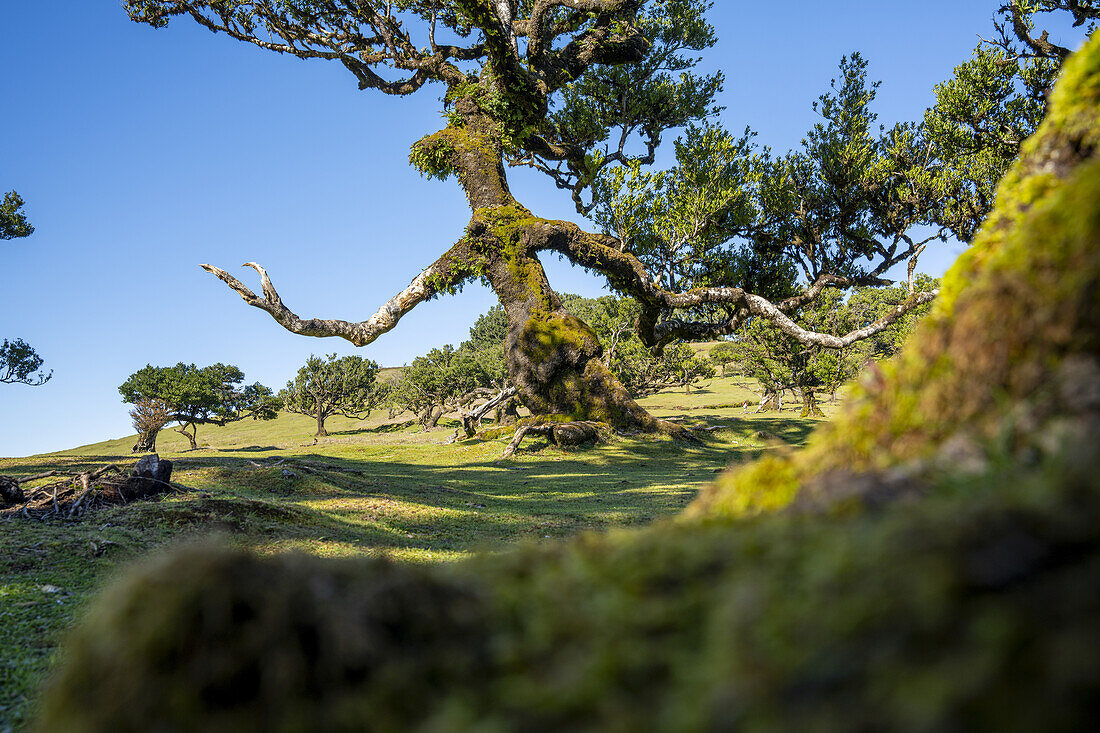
{"x": 142, "y": 153}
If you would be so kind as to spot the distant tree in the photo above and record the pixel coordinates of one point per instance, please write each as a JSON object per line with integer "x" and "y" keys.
{"x": 612, "y": 317}
{"x": 434, "y": 384}
{"x": 780, "y": 362}
{"x": 996, "y": 100}
{"x": 641, "y": 372}
{"x": 19, "y": 362}
{"x": 685, "y": 366}
{"x": 763, "y": 351}
{"x": 723, "y": 355}
{"x": 331, "y": 386}
{"x": 13, "y": 223}
{"x": 867, "y": 305}
{"x": 741, "y": 233}
{"x": 149, "y": 418}
{"x": 196, "y": 396}
{"x": 485, "y": 347}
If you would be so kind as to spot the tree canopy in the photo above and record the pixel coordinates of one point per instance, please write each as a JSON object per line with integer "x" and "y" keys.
{"x": 779, "y": 362}
{"x": 194, "y": 396}
{"x": 20, "y": 364}
{"x": 331, "y": 386}
{"x": 996, "y": 100}
{"x": 584, "y": 91}
{"x": 434, "y": 384}
{"x": 13, "y": 222}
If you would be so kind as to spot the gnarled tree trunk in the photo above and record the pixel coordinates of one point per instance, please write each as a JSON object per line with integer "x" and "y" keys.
{"x": 773, "y": 400}
{"x": 147, "y": 442}
{"x": 554, "y": 359}
{"x": 809, "y": 404}
{"x": 182, "y": 430}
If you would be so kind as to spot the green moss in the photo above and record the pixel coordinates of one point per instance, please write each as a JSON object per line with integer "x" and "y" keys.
{"x": 345, "y": 633}
{"x": 433, "y": 156}
{"x": 767, "y": 484}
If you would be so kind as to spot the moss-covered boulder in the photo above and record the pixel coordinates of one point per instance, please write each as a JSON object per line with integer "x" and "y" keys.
{"x": 972, "y": 608}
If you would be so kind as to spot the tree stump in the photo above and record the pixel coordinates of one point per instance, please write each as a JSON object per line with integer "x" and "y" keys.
{"x": 10, "y": 493}
{"x": 152, "y": 475}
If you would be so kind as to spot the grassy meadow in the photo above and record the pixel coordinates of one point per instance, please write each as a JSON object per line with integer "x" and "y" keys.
{"x": 415, "y": 497}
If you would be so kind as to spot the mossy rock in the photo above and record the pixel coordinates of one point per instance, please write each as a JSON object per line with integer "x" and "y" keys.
{"x": 218, "y": 640}
{"x": 972, "y": 607}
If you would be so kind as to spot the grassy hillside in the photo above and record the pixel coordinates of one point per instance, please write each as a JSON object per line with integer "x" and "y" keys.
{"x": 416, "y": 498}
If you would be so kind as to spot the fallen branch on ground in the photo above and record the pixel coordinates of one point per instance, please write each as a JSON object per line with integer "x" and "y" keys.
{"x": 80, "y": 492}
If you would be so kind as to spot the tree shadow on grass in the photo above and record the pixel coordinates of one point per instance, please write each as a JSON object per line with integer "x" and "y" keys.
{"x": 249, "y": 449}
{"x": 793, "y": 430}
{"x": 467, "y": 505}
{"x": 384, "y": 428}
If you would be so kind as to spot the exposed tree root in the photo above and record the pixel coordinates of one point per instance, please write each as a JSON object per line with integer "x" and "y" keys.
{"x": 561, "y": 434}
{"x": 677, "y": 431}
{"x": 80, "y": 492}
{"x": 472, "y": 420}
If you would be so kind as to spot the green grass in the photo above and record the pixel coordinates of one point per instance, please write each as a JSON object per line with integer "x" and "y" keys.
{"x": 417, "y": 499}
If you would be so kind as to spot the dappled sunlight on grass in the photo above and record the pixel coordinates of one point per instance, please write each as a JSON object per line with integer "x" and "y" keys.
{"x": 406, "y": 495}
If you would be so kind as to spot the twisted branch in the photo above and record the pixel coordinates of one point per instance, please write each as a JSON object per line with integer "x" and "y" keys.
{"x": 627, "y": 274}
{"x": 448, "y": 271}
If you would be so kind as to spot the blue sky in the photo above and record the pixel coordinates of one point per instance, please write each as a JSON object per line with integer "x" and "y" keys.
{"x": 142, "y": 153}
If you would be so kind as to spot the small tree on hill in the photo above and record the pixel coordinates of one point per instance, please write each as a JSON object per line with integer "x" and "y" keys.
{"x": 196, "y": 396}
{"x": 331, "y": 386}
{"x": 684, "y": 366}
{"x": 435, "y": 383}
{"x": 13, "y": 222}
{"x": 20, "y": 364}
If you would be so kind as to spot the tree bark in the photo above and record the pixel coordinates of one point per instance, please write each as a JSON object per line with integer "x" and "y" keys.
{"x": 555, "y": 359}
{"x": 809, "y": 404}
{"x": 771, "y": 401}
{"x": 147, "y": 442}
{"x": 471, "y": 420}
{"x": 182, "y": 430}
{"x": 429, "y": 419}
{"x": 321, "y": 432}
